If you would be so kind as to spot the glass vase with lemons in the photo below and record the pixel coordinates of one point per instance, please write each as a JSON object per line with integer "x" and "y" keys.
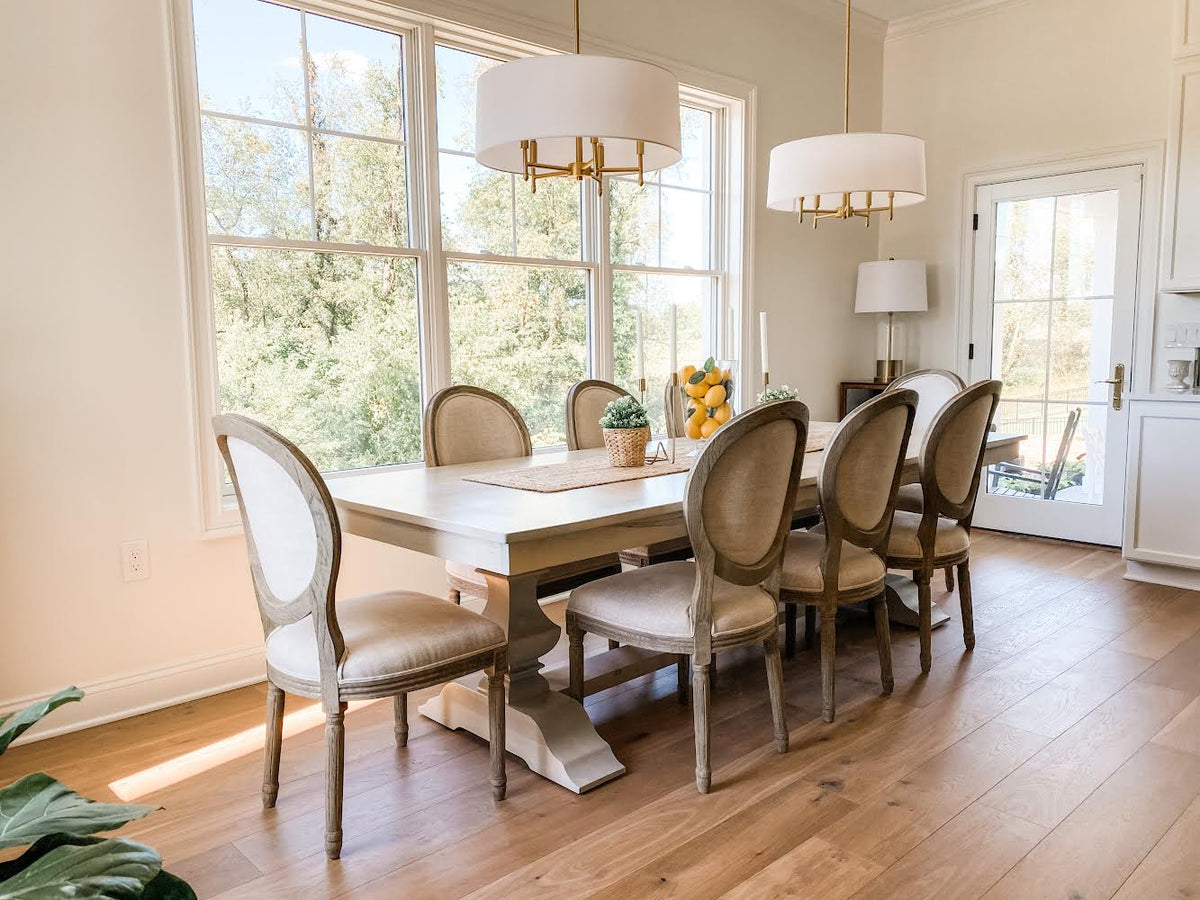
{"x": 707, "y": 396}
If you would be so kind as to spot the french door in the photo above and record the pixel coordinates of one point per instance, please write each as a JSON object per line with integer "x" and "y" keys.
{"x": 1052, "y": 317}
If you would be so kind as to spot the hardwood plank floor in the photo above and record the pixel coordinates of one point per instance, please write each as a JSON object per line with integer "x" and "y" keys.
{"x": 1060, "y": 759}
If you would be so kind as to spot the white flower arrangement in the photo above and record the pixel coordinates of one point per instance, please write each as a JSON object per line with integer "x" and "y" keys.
{"x": 772, "y": 394}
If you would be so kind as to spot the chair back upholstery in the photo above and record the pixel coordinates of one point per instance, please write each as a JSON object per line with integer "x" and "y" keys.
{"x": 952, "y": 456}
{"x": 741, "y": 492}
{"x": 292, "y": 534}
{"x": 860, "y": 472}
{"x": 673, "y": 408}
{"x": 586, "y": 401}
{"x": 934, "y": 389}
{"x": 465, "y": 424}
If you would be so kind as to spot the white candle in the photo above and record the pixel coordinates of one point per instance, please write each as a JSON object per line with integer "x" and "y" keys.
{"x": 641, "y": 358}
{"x": 762, "y": 338}
{"x": 674, "y": 345}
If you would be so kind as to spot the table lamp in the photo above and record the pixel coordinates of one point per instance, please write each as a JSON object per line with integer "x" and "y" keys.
{"x": 891, "y": 286}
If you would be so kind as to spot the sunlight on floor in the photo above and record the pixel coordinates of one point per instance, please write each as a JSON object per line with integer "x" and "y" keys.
{"x": 216, "y": 754}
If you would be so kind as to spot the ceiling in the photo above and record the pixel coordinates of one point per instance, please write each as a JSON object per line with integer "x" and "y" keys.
{"x": 899, "y": 9}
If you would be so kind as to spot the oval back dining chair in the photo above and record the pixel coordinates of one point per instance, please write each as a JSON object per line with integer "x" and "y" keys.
{"x": 378, "y": 645}
{"x": 738, "y": 507}
{"x": 934, "y": 387}
{"x": 842, "y": 559}
{"x": 586, "y": 401}
{"x": 466, "y": 424}
{"x": 940, "y": 535}
{"x": 673, "y": 408}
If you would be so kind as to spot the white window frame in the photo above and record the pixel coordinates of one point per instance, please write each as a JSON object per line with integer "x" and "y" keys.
{"x": 731, "y": 101}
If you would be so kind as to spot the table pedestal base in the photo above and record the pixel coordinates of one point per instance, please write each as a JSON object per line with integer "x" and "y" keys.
{"x": 903, "y": 607}
{"x": 548, "y": 730}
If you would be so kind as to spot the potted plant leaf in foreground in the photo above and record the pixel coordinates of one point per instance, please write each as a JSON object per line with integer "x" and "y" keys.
{"x": 66, "y": 859}
{"x": 626, "y": 431}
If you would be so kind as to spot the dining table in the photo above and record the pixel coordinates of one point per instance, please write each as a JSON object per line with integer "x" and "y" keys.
{"x": 512, "y": 535}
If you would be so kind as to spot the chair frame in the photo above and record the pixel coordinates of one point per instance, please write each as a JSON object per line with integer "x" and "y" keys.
{"x": 838, "y": 529}
{"x": 554, "y": 581}
{"x": 1050, "y": 482}
{"x": 317, "y": 600}
{"x": 573, "y": 394}
{"x": 710, "y": 565}
{"x": 937, "y": 506}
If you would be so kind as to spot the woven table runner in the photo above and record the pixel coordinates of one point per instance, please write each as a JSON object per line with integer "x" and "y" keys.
{"x": 592, "y": 471}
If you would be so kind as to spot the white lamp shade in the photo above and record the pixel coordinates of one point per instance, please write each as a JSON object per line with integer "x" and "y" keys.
{"x": 892, "y": 285}
{"x": 832, "y": 165}
{"x": 555, "y": 99}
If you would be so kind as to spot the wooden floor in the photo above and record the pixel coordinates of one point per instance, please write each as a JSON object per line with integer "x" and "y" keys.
{"x": 1060, "y": 759}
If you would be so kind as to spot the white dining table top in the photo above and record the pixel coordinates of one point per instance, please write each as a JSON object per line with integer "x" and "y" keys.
{"x": 439, "y": 498}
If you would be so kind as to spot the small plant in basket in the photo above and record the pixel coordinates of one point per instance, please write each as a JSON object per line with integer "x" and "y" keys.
{"x": 626, "y": 431}
{"x": 773, "y": 394}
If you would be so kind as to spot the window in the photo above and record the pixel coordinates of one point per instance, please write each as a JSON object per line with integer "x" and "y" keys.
{"x": 350, "y": 257}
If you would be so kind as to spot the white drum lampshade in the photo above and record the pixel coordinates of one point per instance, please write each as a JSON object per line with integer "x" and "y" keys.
{"x": 829, "y": 166}
{"x": 891, "y": 286}
{"x": 556, "y": 99}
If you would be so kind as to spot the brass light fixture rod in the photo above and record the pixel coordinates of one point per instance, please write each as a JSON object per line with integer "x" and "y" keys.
{"x": 534, "y": 170}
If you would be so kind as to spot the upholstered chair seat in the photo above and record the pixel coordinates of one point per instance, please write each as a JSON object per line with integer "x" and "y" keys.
{"x": 950, "y": 540}
{"x": 738, "y": 507}
{"x": 841, "y": 560}
{"x": 910, "y": 498}
{"x": 657, "y": 601}
{"x": 387, "y": 634}
{"x": 859, "y": 568}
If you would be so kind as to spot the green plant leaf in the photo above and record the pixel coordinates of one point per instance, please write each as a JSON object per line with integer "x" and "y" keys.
{"x": 165, "y": 886}
{"x": 710, "y": 364}
{"x": 111, "y": 869}
{"x": 15, "y": 724}
{"x": 697, "y": 376}
{"x": 37, "y": 805}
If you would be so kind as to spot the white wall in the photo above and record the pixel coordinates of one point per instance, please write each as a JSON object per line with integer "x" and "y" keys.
{"x": 1024, "y": 82}
{"x": 97, "y": 442}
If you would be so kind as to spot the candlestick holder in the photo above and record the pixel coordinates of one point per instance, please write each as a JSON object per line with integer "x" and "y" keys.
{"x": 766, "y": 378}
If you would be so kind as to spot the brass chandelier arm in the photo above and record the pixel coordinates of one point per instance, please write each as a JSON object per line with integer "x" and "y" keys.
{"x": 845, "y": 210}
{"x": 532, "y": 169}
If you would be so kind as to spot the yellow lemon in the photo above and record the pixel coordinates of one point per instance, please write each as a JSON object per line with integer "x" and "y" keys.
{"x": 685, "y": 373}
{"x": 724, "y": 411}
{"x": 692, "y": 429}
{"x": 709, "y": 426}
{"x": 716, "y": 376}
{"x": 695, "y": 390}
{"x": 698, "y": 415}
{"x": 715, "y": 396}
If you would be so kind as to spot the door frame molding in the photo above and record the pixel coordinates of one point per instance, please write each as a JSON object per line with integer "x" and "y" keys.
{"x": 1150, "y": 156}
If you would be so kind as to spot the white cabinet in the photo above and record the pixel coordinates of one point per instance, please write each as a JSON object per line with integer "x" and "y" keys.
{"x": 1181, "y": 209}
{"x": 1162, "y": 507}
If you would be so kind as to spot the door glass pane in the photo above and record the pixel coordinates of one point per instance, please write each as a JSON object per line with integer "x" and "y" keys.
{"x": 1051, "y": 342}
{"x": 520, "y": 331}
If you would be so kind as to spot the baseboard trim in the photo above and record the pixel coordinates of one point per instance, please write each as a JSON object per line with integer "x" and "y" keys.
{"x": 1156, "y": 573}
{"x": 111, "y": 699}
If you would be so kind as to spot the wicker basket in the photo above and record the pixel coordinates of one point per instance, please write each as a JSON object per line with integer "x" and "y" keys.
{"x": 626, "y": 446}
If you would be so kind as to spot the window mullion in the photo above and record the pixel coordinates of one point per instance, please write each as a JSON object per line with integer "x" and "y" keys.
{"x": 596, "y": 250}
{"x": 308, "y": 127}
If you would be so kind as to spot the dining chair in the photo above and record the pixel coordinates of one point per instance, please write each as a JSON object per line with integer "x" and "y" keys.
{"x": 466, "y": 424}
{"x": 934, "y": 387}
{"x": 586, "y": 401}
{"x": 738, "y": 506}
{"x": 842, "y": 560}
{"x": 939, "y": 536}
{"x": 373, "y": 646}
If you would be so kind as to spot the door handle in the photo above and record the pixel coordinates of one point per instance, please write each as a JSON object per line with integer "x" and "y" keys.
{"x": 1118, "y": 384}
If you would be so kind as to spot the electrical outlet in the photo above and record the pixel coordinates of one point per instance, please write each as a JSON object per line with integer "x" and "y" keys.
{"x": 135, "y": 560}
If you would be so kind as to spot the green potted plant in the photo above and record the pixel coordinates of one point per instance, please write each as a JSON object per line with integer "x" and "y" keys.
{"x": 626, "y": 432}
{"x": 774, "y": 394}
{"x": 66, "y": 859}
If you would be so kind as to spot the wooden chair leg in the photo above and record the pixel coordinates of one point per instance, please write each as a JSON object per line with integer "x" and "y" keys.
{"x": 712, "y": 674}
{"x": 401, "y": 703}
{"x": 775, "y": 685}
{"x": 828, "y": 651}
{"x": 949, "y": 578}
{"x": 274, "y": 745}
{"x": 964, "y": 600}
{"x": 810, "y": 626}
{"x": 681, "y": 676}
{"x": 883, "y": 639}
{"x": 700, "y": 701}
{"x": 925, "y": 601}
{"x": 613, "y": 645}
{"x": 455, "y": 597}
{"x": 496, "y": 729}
{"x": 335, "y": 762}
{"x": 789, "y": 629}
{"x": 574, "y": 659}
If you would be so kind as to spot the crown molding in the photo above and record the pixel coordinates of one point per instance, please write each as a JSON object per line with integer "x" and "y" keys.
{"x": 951, "y": 14}
{"x": 834, "y": 12}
